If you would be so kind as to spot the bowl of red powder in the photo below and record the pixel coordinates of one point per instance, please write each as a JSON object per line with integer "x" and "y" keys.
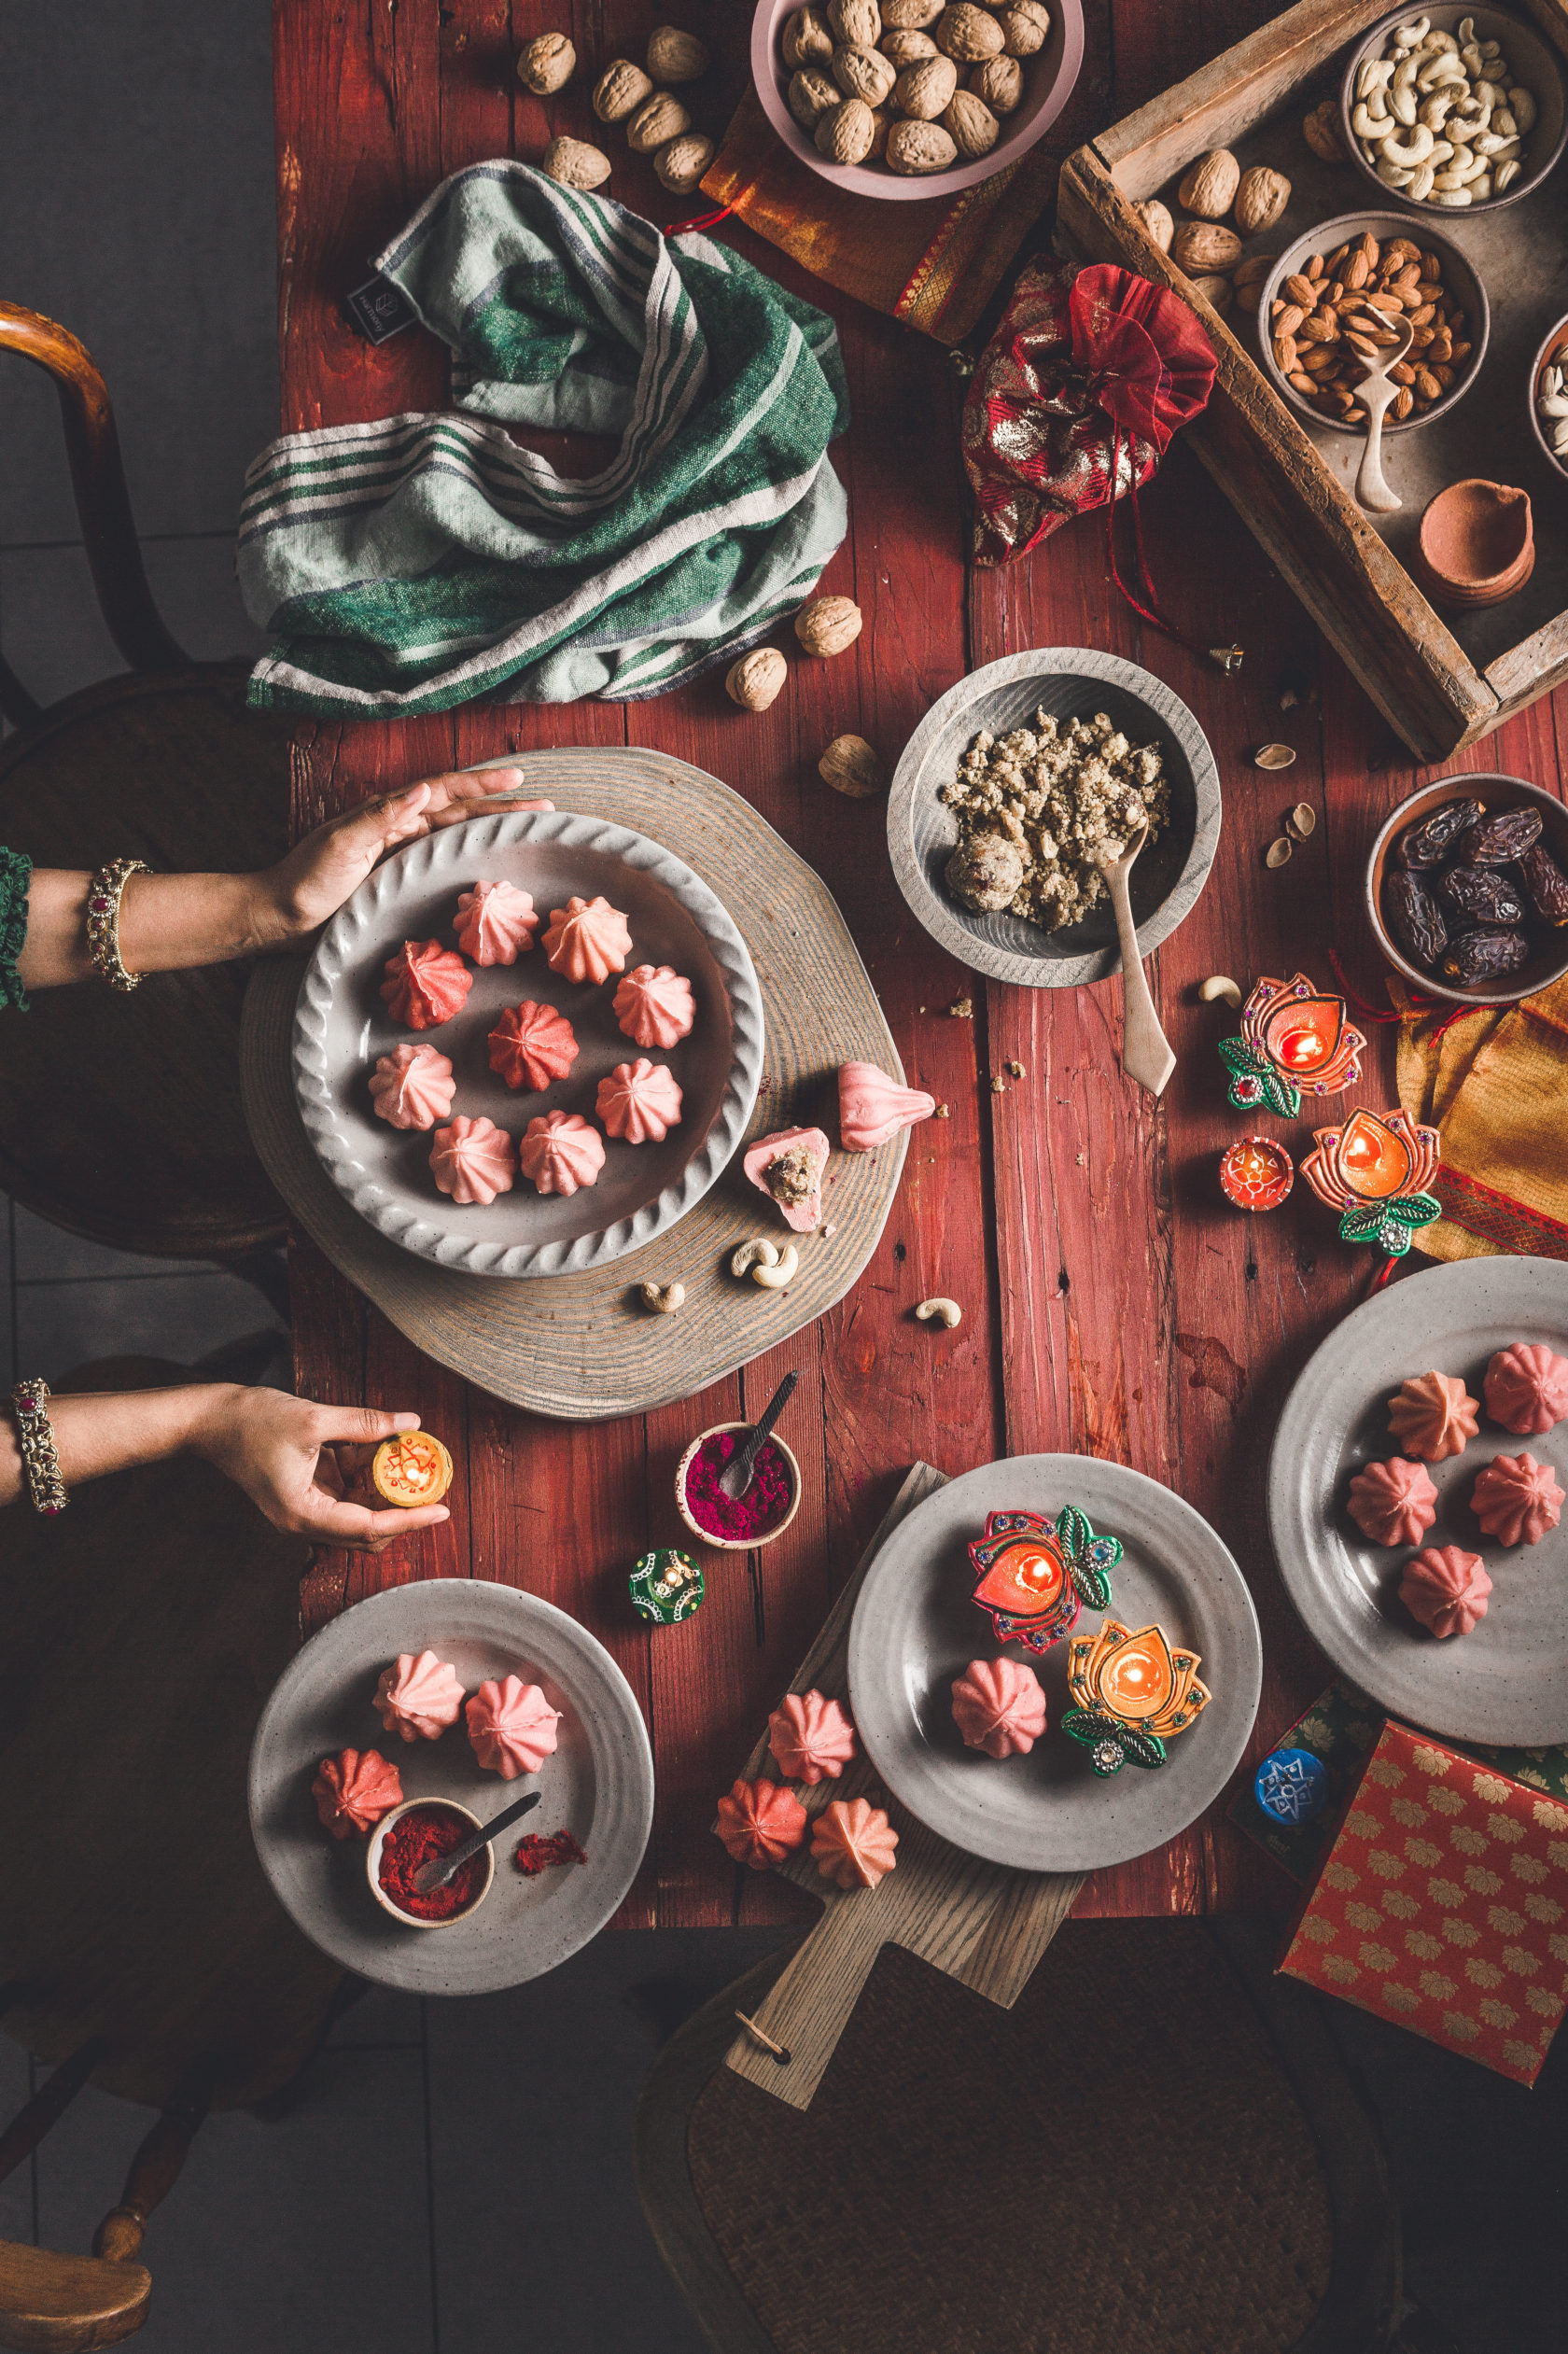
{"x": 737, "y": 1523}
{"x": 416, "y": 1833}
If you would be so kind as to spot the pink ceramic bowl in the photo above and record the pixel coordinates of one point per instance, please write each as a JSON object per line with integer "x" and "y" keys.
{"x": 1049, "y": 78}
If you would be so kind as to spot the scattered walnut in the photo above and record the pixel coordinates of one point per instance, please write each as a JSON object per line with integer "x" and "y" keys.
{"x": 828, "y": 624}
{"x": 998, "y": 82}
{"x": 658, "y": 119}
{"x": 811, "y": 95}
{"x": 1157, "y": 223}
{"x": 915, "y": 148}
{"x": 620, "y": 91}
{"x": 1323, "y": 135}
{"x": 851, "y": 767}
{"x": 1208, "y": 187}
{"x": 807, "y": 39}
{"x": 755, "y": 679}
{"x": 1249, "y": 278}
{"x": 547, "y": 63}
{"x": 1217, "y": 292}
{"x": 971, "y": 124}
{"x": 967, "y": 34}
{"x": 1260, "y": 200}
{"x": 864, "y": 74}
{"x": 1025, "y": 27}
{"x": 923, "y": 90}
{"x": 574, "y": 163}
{"x": 1199, "y": 247}
{"x": 847, "y": 134}
{"x": 681, "y": 164}
{"x": 674, "y": 56}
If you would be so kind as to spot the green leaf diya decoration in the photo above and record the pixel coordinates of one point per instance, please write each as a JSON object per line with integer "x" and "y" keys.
{"x": 1133, "y": 1692}
{"x": 1376, "y": 1172}
{"x": 1033, "y": 1576}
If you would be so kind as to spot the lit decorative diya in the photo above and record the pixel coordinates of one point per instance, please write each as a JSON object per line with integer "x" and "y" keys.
{"x": 1256, "y": 1173}
{"x": 1376, "y": 1170}
{"x": 1295, "y": 1039}
{"x": 1035, "y": 1574}
{"x": 1133, "y": 1691}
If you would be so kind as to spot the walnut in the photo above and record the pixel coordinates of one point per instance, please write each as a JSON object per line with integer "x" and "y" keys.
{"x": 1261, "y": 197}
{"x": 1202, "y": 246}
{"x": 864, "y": 74}
{"x": 754, "y": 681}
{"x": 847, "y": 134}
{"x": 911, "y": 16}
{"x": 1217, "y": 292}
{"x": 1209, "y": 189}
{"x": 620, "y": 91}
{"x": 807, "y": 39}
{"x": 828, "y": 624}
{"x": 674, "y": 56}
{"x": 984, "y": 871}
{"x": 968, "y": 36}
{"x": 881, "y": 123}
{"x": 971, "y": 125}
{"x": 1322, "y": 132}
{"x": 547, "y": 64}
{"x": 811, "y": 96}
{"x": 902, "y": 49}
{"x": 1158, "y": 227}
{"x": 918, "y": 148}
{"x": 998, "y": 83}
{"x": 681, "y": 162}
{"x": 851, "y": 767}
{"x": 857, "y": 23}
{"x": 657, "y": 120}
{"x": 1252, "y": 276}
{"x": 574, "y": 163}
{"x": 921, "y": 91}
{"x": 1026, "y": 26}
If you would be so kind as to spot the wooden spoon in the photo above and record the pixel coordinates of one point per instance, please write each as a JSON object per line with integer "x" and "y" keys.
{"x": 1146, "y": 1055}
{"x": 1378, "y": 392}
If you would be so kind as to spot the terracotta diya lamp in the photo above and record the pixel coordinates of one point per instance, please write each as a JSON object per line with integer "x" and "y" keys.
{"x": 1132, "y": 1692}
{"x": 1478, "y": 543}
{"x": 1376, "y": 1172}
{"x": 1256, "y": 1173}
{"x": 1294, "y": 1040}
{"x": 1033, "y": 1576}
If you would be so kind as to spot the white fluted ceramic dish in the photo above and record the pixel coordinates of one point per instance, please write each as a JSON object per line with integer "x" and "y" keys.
{"x": 340, "y": 1025}
{"x": 599, "y": 1785}
{"x": 917, "y": 1626}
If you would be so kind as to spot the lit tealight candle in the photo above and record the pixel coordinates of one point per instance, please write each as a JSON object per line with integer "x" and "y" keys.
{"x": 1372, "y": 1160}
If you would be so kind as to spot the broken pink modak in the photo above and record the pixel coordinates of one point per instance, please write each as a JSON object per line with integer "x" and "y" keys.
{"x": 788, "y": 1167}
{"x": 425, "y": 985}
{"x": 495, "y": 923}
{"x": 560, "y": 1153}
{"x": 655, "y": 1006}
{"x": 412, "y": 1088}
{"x": 1517, "y": 1499}
{"x": 1433, "y": 1416}
{"x": 532, "y": 1045}
{"x": 639, "y": 1102}
{"x": 1393, "y": 1502}
{"x": 759, "y": 1824}
{"x": 474, "y": 1161}
{"x": 588, "y": 940}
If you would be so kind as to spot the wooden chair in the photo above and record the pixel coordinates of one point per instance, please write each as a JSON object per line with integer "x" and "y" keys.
{"x": 1157, "y": 2148}
{"x": 144, "y": 1630}
{"x": 120, "y": 1116}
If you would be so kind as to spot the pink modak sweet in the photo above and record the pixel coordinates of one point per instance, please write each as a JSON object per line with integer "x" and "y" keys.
{"x": 1444, "y": 1588}
{"x": 354, "y": 1790}
{"x": 1526, "y": 1388}
{"x": 1517, "y": 1500}
{"x": 655, "y": 1006}
{"x": 640, "y": 1103}
{"x": 512, "y": 1725}
{"x": 418, "y": 1696}
{"x": 853, "y": 1844}
{"x": 998, "y": 1708}
{"x": 588, "y": 940}
{"x": 872, "y": 1108}
{"x": 495, "y": 923}
{"x": 560, "y": 1153}
{"x": 425, "y": 985}
{"x": 759, "y": 1824}
{"x": 1393, "y": 1502}
{"x": 412, "y": 1088}
{"x": 1433, "y": 1416}
{"x": 474, "y": 1161}
{"x": 788, "y": 1167}
{"x": 531, "y": 1045}
{"x": 811, "y": 1737}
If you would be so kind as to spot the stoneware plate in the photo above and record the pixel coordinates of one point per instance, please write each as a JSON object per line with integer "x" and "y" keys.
{"x": 1507, "y": 1680}
{"x": 917, "y": 1627}
{"x": 1069, "y": 682}
{"x": 599, "y": 1785}
{"x": 340, "y": 1025}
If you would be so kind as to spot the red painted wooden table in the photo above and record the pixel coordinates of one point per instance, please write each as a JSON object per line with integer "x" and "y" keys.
{"x": 1113, "y": 1303}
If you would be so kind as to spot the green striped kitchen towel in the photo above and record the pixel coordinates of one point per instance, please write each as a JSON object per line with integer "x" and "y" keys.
{"x": 417, "y": 562}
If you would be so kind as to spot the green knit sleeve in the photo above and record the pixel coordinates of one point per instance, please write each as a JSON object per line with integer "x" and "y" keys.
{"x": 15, "y": 873}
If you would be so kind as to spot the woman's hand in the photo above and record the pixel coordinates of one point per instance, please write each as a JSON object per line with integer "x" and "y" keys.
{"x": 296, "y": 1460}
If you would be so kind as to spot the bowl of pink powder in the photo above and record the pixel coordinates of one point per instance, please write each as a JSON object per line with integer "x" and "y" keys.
{"x": 737, "y": 1523}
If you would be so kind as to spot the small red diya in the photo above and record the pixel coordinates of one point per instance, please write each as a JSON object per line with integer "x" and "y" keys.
{"x": 1035, "y": 1574}
{"x": 1376, "y": 1172}
{"x": 1256, "y": 1173}
{"x": 1133, "y": 1691}
{"x": 1295, "y": 1039}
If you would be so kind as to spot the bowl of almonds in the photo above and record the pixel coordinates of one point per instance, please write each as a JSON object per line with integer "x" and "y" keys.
{"x": 1454, "y": 109}
{"x": 905, "y": 99}
{"x": 1327, "y": 310}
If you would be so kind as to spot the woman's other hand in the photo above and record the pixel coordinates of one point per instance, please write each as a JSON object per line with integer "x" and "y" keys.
{"x": 297, "y": 1461}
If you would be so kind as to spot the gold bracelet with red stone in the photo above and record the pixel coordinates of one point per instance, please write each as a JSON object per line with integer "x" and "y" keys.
{"x": 103, "y": 896}
{"x": 40, "y": 1459}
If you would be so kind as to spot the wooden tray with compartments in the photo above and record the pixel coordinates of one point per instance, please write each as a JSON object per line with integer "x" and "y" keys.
{"x": 1441, "y": 682}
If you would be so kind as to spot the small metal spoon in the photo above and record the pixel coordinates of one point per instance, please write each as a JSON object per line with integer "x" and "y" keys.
{"x": 438, "y": 1871}
{"x": 738, "y": 1473}
{"x": 1147, "y": 1056}
{"x": 1377, "y": 393}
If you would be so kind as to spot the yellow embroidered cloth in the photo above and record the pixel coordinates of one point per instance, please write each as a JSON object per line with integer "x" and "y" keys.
{"x": 1495, "y": 1084}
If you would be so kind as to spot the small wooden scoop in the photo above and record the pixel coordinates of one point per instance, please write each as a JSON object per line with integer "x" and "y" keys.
{"x": 1378, "y": 392}
{"x": 1146, "y": 1055}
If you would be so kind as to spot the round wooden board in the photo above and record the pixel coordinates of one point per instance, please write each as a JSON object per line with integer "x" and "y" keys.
{"x": 583, "y": 1348}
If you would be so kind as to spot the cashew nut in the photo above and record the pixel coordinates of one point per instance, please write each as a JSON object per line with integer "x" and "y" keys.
{"x": 1366, "y": 125}
{"x": 1416, "y": 31}
{"x": 664, "y": 1298}
{"x": 773, "y": 1279}
{"x": 1221, "y": 988}
{"x": 1436, "y": 42}
{"x": 1432, "y": 110}
{"x": 1521, "y": 106}
{"x": 1404, "y": 102}
{"x": 945, "y": 1311}
{"x": 757, "y": 1253}
{"x": 1375, "y": 73}
{"x": 1408, "y": 153}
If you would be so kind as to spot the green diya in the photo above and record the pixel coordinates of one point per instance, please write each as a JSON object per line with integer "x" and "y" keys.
{"x": 1133, "y": 1692}
{"x": 665, "y": 1586}
{"x": 1033, "y": 1576}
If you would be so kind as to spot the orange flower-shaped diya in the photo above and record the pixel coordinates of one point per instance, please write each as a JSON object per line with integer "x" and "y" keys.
{"x": 1133, "y": 1691}
{"x": 1376, "y": 1172}
{"x": 1034, "y": 1575}
{"x": 1294, "y": 1037}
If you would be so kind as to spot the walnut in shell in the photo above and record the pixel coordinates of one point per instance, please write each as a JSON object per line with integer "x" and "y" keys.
{"x": 681, "y": 162}
{"x": 620, "y": 91}
{"x": 1202, "y": 246}
{"x": 998, "y": 83}
{"x": 1322, "y": 132}
{"x": 856, "y": 24}
{"x": 1217, "y": 292}
{"x": 575, "y": 163}
{"x": 971, "y": 125}
{"x": 547, "y": 63}
{"x": 902, "y": 49}
{"x": 828, "y": 624}
{"x": 847, "y": 134}
{"x": 911, "y": 16}
{"x": 1261, "y": 197}
{"x": 864, "y": 74}
{"x": 968, "y": 36}
{"x": 1210, "y": 185}
{"x": 922, "y": 90}
{"x": 915, "y": 148}
{"x": 754, "y": 681}
{"x": 811, "y": 95}
{"x": 807, "y": 39}
{"x": 881, "y": 123}
{"x": 658, "y": 119}
{"x": 1025, "y": 28}
{"x": 850, "y": 765}
{"x": 674, "y": 56}
{"x": 1251, "y": 277}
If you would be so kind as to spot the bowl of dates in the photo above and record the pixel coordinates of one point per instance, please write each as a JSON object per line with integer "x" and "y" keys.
{"x": 1467, "y": 890}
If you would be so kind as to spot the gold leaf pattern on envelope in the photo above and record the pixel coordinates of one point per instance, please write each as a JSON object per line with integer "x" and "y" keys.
{"x": 1447, "y": 1893}
{"x": 1542, "y": 1908}
{"x": 1520, "y": 1961}
{"x": 1497, "y": 2014}
{"x": 1546, "y": 2000}
{"x": 1436, "y": 1762}
{"x": 1507, "y": 1923}
{"x": 1530, "y": 1868}
{"x": 1340, "y": 1875}
{"x": 1378, "y": 1957}
{"x": 1467, "y": 1839}
{"x": 1400, "y": 1997}
{"x": 1551, "y": 1817}
{"x": 1410, "y": 1812}
{"x": 1364, "y": 1916}
{"x": 1480, "y": 1972}
{"x": 1480, "y": 1882}
{"x": 1433, "y": 1983}
{"x": 1385, "y": 1771}
{"x": 1340, "y": 1968}
{"x": 1423, "y": 1944}
{"x": 1459, "y": 2025}
{"x": 1520, "y": 2056}
{"x": 1490, "y": 1786}
{"x": 1506, "y": 1828}
{"x": 1448, "y": 1801}
{"x": 1422, "y": 1851}
{"x": 1462, "y": 1933}
{"x": 1387, "y": 1867}
{"x": 1400, "y": 1903}
{"x": 1321, "y": 1932}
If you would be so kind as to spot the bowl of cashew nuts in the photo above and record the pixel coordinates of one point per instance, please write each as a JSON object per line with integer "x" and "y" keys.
{"x": 1453, "y": 111}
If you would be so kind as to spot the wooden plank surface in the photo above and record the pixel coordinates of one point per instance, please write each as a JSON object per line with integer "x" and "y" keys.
{"x": 1112, "y": 1303}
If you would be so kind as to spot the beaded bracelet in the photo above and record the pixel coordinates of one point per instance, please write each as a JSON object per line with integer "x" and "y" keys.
{"x": 103, "y": 896}
{"x": 40, "y": 1458}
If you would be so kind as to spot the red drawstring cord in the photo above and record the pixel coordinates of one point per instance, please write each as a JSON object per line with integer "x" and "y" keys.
{"x": 1149, "y": 612}
{"x": 1419, "y": 1006}
{"x": 1380, "y": 1278}
{"x": 703, "y": 220}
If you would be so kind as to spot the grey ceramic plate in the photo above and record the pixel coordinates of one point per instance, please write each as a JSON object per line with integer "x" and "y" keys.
{"x": 1506, "y": 1681}
{"x": 599, "y": 1785}
{"x": 917, "y": 1627}
{"x": 1069, "y": 682}
{"x": 340, "y": 1025}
